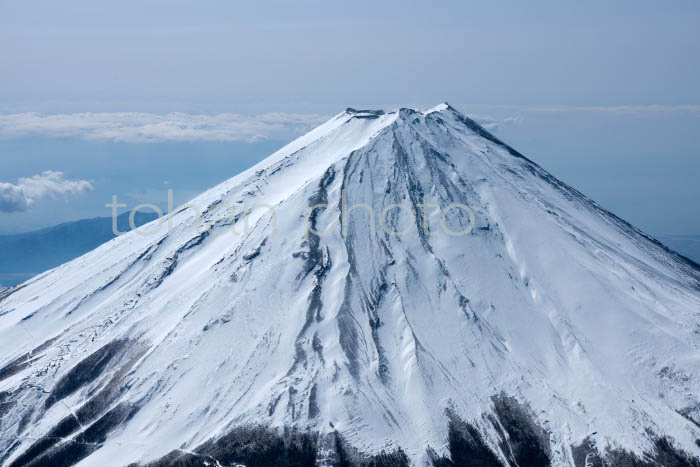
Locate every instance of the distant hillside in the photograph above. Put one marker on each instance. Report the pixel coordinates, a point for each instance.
(687, 245)
(22, 256)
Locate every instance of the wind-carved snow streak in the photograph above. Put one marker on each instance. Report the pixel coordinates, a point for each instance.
(553, 333)
(316, 264)
(317, 261)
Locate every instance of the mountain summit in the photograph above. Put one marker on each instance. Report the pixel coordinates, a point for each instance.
(390, 289)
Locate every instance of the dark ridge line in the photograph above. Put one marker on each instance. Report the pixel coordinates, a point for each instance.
(347, 321)
(317, 345)
(15, 366)
(314, 410)
(527, 443)
(523, 443)
(145, 254)
(413, 187)
(371, 303)
(11, 290)
(87, 413)
(347, 333)
(86, 371)
(314, 262)
(171, 262)
(466, 446)
(72, 451)
(24, 361)
(255, 253)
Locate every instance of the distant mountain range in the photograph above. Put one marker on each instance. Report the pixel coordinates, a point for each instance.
(22, 256)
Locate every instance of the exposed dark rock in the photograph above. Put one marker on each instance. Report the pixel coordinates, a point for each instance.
(26, 418)
(273, 405)
(109, 393)
(389, 459)
(85, 372)
(668, 456)
(586, 454)
(317, 345)
(262, 447)
(72, 451)
(467, 447)
(15, 366)
(9, 291)
(347, 456)
(316, 260)
(692, 414)
(664, 455)
(24, 361)
(92, 409)
(313, 402)
(63, 429)
(257, 446)
(371, 304)
(181, 459)
(364, 114)
(317, 201)
(255, 253)
(527, 444)
(5, 403)
(44, 346)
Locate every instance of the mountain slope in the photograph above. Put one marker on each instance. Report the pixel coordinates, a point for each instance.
(553, 333)
(25, 255)
(687, 245)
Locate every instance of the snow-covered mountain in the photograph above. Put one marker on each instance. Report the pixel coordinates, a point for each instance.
(552, 333)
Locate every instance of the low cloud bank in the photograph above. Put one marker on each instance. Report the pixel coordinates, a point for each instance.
(138, 127)
(491, 123)
(621, 109)
(135, 127)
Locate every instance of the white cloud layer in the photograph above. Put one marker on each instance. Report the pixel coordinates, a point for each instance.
(491, 123)
(46, 185)
(135, 127)
(622, 109)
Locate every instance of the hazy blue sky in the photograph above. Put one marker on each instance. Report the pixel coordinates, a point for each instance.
(301, 56)
(604, 94)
